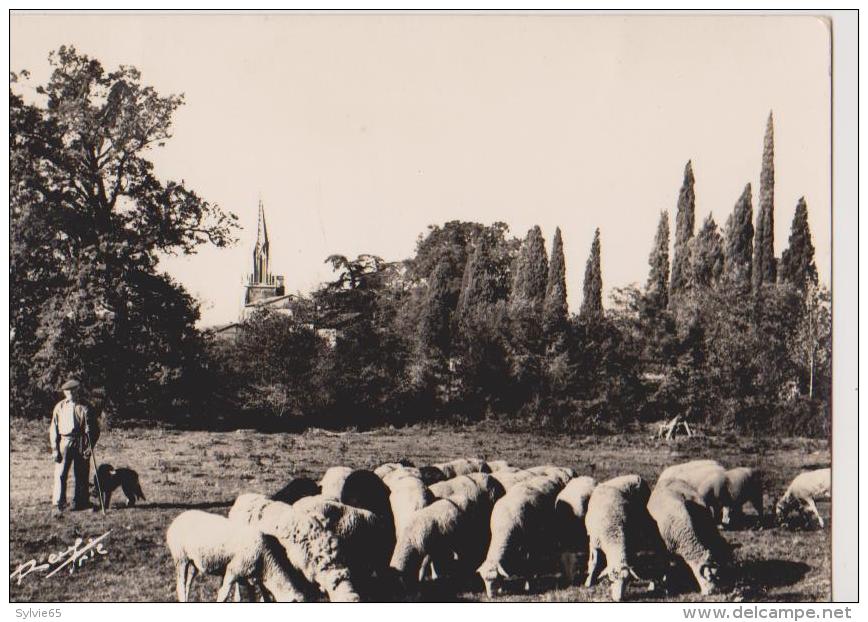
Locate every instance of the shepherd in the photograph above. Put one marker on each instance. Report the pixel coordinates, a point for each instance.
(73, 433)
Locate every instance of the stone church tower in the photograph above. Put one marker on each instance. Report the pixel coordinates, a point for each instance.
(261, 284)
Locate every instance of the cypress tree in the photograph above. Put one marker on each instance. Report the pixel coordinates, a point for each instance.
(737, 263)
(764, 268)
(684, 221)
(797, 261)
(555, 305)
(530, 277)
(479, 283)
(657, 288)
(706, 255)
(592, 301)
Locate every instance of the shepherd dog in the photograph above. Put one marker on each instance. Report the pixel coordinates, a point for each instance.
(107, 479)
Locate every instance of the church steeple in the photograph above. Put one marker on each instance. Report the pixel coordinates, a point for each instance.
(260, 250)
(261, 285)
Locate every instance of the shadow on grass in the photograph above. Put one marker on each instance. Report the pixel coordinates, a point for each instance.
(205, 505)
(757, 576)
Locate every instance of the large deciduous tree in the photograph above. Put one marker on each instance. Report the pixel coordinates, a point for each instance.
(89, 220)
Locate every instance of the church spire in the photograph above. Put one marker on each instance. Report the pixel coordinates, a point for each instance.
(260, 251)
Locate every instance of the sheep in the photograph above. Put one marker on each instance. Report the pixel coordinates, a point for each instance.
(336, 546)
(689, 532)
(394, 477)
(498, 465)
(632, 485)
(388, 467)
(248, 508)
(431, 475)
(363, 489)
(617, 523)
(463, 466)
(333, 481)
(707, 477)
(565, 474)
(571, 505)
(297, 488)
(520, 525)
(508, 479)
(213, 544)
(802, 491)
(406, 497)
(427, 540)
(743, 485)
(460, 483)
(493, 488)
(692, 472)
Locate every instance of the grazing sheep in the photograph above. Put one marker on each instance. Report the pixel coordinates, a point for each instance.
(407, 496)
(463, 466)
(333, 481)
(571, 505)
(508, 479)
(336, 546)
(212, 544)
(743, 485)
(395, 477)
(707, 477)
(248, 508)
(521, 525)
(461, 483)
(692, 472)
(431, 475)
(498, 465)
(689, 532)
(801, 493)
(428, 540)
(297, 488)
(388, 467)
(493, 488)
(564, 474)
(363, 489)
(617, 523)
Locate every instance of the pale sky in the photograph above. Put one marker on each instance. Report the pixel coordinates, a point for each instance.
(359, 131)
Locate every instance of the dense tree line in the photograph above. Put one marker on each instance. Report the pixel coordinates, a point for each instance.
(475, 324)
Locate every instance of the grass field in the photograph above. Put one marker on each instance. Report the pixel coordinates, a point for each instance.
(208, 470)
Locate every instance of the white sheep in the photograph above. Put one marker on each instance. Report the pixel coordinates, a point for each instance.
(571, 505)
(689, 532)
(332, 481)
(213, 544)
(521, 525)
(617, 524)
(564, 474)
(463, 466)
(743, 485)
(708, 478)
(806, 487)
(427, 541)
(248, 507)
(498, 465)
(336, 546)
(408, 495)
(508, 478)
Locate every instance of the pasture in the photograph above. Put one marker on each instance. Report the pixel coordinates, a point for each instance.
(207, 470)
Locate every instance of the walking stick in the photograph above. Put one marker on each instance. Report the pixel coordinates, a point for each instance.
(95, 477)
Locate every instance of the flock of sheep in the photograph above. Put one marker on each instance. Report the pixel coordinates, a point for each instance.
(359, 534)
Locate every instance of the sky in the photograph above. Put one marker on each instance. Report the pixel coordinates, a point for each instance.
(359, 131)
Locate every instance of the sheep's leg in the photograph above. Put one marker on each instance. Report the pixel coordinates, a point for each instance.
(181, 580)
(813, 508)
(593, 566)
(229, 580)
(188, 579)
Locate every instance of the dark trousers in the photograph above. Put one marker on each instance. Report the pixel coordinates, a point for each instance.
(73, 460)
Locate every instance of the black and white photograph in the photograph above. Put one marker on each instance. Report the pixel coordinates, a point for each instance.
(424, 307)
